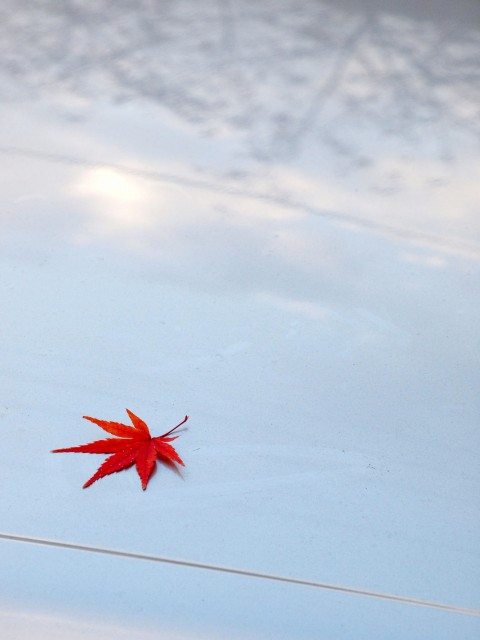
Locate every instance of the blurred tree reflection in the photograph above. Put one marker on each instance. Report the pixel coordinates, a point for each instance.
(277, 71)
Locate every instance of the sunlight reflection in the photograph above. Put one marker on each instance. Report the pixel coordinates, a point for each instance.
(118, 202)
(43, 625)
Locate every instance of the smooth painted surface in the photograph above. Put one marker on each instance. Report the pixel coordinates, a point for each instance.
(264, 215)
(107, 598)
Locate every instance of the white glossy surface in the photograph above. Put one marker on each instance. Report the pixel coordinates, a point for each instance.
(95, 596)
(266, 216)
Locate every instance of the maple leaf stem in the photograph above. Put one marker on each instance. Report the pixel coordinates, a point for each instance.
(178, 425)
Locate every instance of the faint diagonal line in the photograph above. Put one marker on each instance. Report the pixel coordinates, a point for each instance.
(240, 572)
(470, 248)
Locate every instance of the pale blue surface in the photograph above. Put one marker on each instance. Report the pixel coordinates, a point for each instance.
(146, 600)
(264, 215)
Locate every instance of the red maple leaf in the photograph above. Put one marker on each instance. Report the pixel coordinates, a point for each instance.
(134, 445)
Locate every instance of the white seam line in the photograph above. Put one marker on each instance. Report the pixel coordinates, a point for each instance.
(241, 572)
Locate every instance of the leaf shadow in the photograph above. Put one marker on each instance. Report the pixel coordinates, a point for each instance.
(171, 465)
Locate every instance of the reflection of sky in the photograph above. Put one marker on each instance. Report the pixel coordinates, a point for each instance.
(271, 223)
